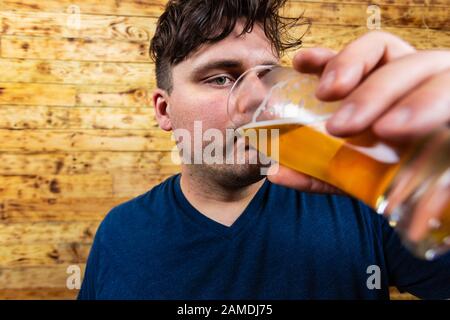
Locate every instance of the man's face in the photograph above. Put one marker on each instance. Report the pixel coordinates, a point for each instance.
(201, 85)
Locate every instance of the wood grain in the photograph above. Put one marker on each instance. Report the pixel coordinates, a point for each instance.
(47, 24)
(86, 208)
(86, 162)
(77, 72)
(85, 140)
(44, 293)
(336, 37)
(83, 49)
(46, 117)
(34, 278)
(34, 255)
(47, 232)
(356, 14)
(107, 7)
(38, 186)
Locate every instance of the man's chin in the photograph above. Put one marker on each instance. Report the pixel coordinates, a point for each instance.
(236, 175)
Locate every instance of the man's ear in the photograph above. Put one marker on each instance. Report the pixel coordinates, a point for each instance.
(161, 103)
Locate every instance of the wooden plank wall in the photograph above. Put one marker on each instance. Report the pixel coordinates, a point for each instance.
(77, 129)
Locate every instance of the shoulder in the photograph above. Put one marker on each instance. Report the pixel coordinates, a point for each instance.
(137, 213)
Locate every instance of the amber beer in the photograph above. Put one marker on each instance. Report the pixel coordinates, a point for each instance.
(351, 164)
(360, 165)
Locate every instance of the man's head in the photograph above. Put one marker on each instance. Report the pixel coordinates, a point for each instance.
(200, 48)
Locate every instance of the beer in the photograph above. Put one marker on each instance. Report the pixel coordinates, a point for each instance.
(359, 165)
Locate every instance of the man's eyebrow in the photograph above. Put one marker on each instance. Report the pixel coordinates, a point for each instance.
(223, 64)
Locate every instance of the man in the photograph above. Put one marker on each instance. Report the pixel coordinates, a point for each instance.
(221, 231)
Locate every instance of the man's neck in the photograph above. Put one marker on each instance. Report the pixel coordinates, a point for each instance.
(221, 204)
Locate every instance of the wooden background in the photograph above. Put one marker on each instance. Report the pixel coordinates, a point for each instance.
(77, 128)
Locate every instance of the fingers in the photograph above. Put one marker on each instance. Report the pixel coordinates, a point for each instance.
(312, 60)
(296, 180)
(344, 72)
(426, 219)
(384, 87)
(418, 113)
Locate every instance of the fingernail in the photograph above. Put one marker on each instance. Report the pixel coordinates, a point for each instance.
(343, 116)
(349, 75)
(398, 117)
(327, 81)
(434, 223)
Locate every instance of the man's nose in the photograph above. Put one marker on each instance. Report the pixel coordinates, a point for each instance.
(251, 93)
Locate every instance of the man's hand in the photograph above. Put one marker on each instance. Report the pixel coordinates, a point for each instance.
(384, 84)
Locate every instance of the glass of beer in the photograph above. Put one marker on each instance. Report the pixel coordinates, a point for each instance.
(409, 183)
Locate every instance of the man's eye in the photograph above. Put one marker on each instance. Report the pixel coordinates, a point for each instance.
(221, 81)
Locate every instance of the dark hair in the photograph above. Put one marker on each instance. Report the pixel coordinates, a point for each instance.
(187, 24)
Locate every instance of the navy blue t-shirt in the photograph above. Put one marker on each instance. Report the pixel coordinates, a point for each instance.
(286, 244)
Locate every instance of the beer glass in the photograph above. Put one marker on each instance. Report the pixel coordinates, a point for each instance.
(409, 183)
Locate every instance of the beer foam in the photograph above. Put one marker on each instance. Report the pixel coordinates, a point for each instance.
(380, 152)
(277, 122)
(286, 109)
(291, 113)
